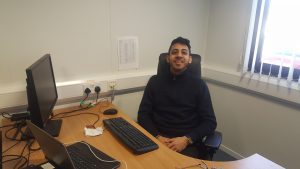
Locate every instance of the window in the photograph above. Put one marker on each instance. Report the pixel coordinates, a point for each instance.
(274, 45)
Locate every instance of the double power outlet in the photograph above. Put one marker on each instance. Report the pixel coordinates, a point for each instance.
(104, 86)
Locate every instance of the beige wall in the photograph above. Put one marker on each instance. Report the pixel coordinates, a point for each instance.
(266, 122)
(129, 103)
(252, 124)
(82, 38)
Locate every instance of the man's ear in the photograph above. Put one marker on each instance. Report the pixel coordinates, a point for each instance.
(190, 59)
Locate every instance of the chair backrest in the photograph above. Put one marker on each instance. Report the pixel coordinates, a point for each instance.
(194, 68)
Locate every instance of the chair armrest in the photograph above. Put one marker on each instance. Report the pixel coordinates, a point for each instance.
(213, 141)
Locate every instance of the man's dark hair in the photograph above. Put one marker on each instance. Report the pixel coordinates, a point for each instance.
(182, 41)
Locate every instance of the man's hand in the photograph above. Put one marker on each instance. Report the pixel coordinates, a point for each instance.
(163, 139)
(178, 143)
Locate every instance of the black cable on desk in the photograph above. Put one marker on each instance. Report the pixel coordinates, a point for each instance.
(7, 131)
(33, 149)
(29, 152)
(5, 113)
(18, 142)
(9, 116)
(9, 125)
(68, 112)
(83, 113)
(22, 157)
(11, 155)
(18, 126)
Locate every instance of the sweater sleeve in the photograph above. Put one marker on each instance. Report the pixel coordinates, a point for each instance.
(145, 113)
(207, 120)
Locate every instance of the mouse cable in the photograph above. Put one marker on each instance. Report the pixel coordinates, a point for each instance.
(68, 112)
(82, 113)
(107, 161)
(195, 165)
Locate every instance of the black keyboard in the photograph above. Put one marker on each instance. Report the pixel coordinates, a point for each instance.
(130, 136)
(83, 158)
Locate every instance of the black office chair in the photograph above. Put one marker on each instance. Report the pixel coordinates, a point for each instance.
(213, 141)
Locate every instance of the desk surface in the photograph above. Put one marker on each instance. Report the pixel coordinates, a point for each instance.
(162, 158)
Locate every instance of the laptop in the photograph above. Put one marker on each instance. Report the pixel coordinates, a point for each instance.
(75, 156)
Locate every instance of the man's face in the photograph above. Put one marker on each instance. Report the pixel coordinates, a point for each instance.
(179, 58)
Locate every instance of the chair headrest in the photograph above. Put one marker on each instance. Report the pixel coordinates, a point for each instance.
(194, 68)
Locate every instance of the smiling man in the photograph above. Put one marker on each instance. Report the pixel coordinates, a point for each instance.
(179, 58)
(176, 107)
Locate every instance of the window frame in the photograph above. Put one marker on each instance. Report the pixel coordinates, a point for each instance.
(253, 63)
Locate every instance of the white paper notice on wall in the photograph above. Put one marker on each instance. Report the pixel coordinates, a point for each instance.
(128, 53)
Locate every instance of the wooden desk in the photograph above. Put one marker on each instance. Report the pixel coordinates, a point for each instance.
(162, 158)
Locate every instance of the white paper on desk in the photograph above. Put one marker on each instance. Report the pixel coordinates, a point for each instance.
(93, 132)
(128, 53)
(47, 166)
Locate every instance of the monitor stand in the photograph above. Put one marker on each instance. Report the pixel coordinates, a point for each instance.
(52, 127)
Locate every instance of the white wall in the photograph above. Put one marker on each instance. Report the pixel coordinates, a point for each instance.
(250, 123)
(129, 103)
(82, 37)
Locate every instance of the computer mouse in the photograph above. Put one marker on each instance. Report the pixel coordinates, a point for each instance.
(110, 111)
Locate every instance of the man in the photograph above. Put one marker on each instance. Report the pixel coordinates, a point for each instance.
(176, 107)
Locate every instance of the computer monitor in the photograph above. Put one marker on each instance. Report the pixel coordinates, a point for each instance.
(42, 95)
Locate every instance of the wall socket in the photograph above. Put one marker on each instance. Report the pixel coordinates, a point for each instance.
(88, 85)
(91, 85)
(105, 86)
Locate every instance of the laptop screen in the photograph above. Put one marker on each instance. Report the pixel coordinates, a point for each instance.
(54, 150)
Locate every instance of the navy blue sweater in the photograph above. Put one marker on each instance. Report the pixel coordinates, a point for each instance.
(176, 106)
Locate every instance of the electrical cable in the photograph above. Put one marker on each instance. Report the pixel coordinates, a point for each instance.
(97, 90)
(72, 111)
(195, 165)
(17, 157)
(18, 142)
(29, 152)
(87, 91)
(3, 113)
(21, 156)
(17, 125)
(9, 125)
(20, 159)
(107, 161)
(34, 149)
(82, 113)
(7, 131)
(97, 97)
(112, 95)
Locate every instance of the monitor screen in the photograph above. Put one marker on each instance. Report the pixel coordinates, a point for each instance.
(42, 94)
